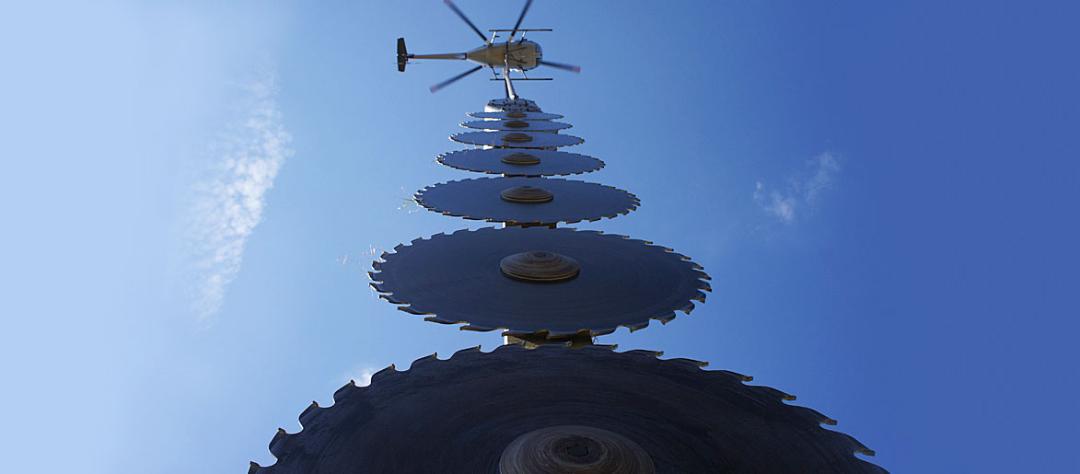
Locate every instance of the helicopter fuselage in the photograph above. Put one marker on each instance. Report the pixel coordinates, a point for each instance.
(521, 55)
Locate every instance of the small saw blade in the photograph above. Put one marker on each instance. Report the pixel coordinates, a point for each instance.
(482, 199)
(460, 278)
(499, 161)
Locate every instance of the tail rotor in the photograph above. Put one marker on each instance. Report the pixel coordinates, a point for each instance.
(402, 55)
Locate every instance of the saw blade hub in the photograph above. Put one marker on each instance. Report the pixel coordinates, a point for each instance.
(526, 195)
(520, 159)
(517, 137)
(574, 449)
(539, 266)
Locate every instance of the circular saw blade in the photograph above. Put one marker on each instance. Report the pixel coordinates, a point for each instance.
(461, 414)
(456, 279)
(500, 139)
(517, 125)
(516, 116)
(480, 199)
(511, 105)
(552, 162)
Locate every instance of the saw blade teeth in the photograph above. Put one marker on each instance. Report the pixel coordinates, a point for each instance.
(740, 377)
(637, 326)
(645, 353)
(474, 327)
(666, 318)
(279, 443)
(467, 351)
(254, 467)
(687, 308)
(702, 275)
(411, 310)
(774, 393)
(699, 364)
(390, 298)
(388, 371)
(309, 413)
(601, 332)
(817, 416)
(700, 297)
(704, 285)
(423, 361)
(345, 390)
(436, 319)
(856, 445)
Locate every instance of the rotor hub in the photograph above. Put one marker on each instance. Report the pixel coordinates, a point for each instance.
(526, 195)
(539, 266)
(574, 449)
(517, 124)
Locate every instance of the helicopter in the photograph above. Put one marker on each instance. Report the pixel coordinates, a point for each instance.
(521, 55)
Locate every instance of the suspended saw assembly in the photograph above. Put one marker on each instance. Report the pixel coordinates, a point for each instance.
(550, 400)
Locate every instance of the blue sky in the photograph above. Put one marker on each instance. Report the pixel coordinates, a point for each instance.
(883, 193)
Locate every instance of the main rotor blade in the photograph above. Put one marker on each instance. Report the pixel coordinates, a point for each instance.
(435, 88)
(521, 17)
(565, 67)
(461, 15)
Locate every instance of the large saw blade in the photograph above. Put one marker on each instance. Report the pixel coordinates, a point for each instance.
(515, 115)
(461, 278)
(516, 125)
(471, 412)
(517, 139)
(483, 199)
(522, 163)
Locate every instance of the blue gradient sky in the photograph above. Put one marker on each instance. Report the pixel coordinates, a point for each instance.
(884, 195)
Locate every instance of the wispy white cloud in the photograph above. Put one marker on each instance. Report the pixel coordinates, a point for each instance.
(362, 376)
(802, 192)
(228, 202)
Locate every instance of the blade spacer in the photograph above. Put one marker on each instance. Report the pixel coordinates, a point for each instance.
(539, 266)
(517, 124)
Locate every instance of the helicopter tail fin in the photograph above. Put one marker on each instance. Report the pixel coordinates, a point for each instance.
(402, 55)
